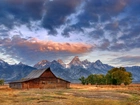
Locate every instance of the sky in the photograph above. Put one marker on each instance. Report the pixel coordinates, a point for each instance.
(35, 30)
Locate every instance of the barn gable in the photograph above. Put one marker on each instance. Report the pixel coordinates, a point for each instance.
(38, 73)
(43, 78)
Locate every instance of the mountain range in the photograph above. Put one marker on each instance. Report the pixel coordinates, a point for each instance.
(71, 71)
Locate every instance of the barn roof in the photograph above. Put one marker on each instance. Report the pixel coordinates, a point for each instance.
(35, 74)
(22, 80)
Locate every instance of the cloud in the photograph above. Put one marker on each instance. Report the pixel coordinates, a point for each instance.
(96, 34)
(16, 12)
(54, 13)
(128, 60)
(104, 44)
(112, 26)
(33, 50)
(4, 32)
(97, 20)
(57, 12)
(96, 10)
(51, 13)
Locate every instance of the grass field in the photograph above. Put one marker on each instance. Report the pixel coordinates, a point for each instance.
(76, 95)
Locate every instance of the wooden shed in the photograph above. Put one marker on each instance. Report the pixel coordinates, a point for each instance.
(43, 78)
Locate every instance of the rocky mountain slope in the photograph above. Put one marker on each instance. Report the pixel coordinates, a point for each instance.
(76, 68)
(71, 71)
(14, 72)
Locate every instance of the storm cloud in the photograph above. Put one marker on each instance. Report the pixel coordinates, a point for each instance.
(51, 13)
(106, 25)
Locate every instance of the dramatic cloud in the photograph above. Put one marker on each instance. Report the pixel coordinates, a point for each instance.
(97, 34)
(99, 10)
(34, 50)
(57, 12)
(51, 13)
(111, 25)
(16, 12)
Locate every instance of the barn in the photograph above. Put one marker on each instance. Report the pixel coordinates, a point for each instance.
(43, 78)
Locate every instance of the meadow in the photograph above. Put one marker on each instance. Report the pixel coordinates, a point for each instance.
(77, 94)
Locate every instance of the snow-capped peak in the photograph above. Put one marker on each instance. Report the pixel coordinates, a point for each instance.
(75, 61)
(20, 63)
(3, 63)
(98, 62)
(60, 61)
(86, 61)
(42, 64)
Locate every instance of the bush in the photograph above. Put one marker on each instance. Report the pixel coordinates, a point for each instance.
(1, 82)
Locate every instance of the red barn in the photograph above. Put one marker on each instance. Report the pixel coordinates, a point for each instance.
(43, 78)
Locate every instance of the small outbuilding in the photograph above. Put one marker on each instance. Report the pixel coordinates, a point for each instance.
(43, 78)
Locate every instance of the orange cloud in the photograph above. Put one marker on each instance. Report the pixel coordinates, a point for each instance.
(46, 46)
(59, 47)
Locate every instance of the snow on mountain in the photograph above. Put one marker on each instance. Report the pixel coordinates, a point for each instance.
(76, 68)
(3, 63)
(76, 62)
(99, 65)
(14, 72)
(42, 64)
(61, 62)
(71, 72)
(86, 63)
(59, 70)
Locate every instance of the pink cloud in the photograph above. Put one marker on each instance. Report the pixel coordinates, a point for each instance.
(46, 46)
(30, 51)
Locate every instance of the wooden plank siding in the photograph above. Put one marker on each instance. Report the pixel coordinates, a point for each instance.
(46, 80)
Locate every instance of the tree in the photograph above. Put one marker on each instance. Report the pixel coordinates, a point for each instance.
(101, 79)
(91, 79)
(97, 79)
(1, 82)
(83, 80)
(116, 76)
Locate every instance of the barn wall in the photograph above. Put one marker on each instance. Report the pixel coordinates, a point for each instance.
(25, 85)
(46, 83)
(15, 85)
(53, 83)
(48, 74)
(41, 83)
(46, 80)
(31, 84)
(63, 84)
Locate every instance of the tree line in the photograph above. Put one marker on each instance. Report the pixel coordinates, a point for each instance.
(115, 76)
